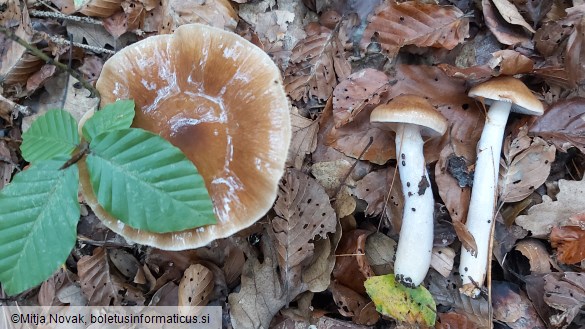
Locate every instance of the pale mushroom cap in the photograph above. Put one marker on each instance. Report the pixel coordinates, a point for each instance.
(219, 99)
(508, 89)
(413, 110)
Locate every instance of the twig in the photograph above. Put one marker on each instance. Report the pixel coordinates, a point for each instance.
(37, 52)
(63, 42)
(57, 15)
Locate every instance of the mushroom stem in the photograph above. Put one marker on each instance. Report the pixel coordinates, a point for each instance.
(480, 217)
(413, 256)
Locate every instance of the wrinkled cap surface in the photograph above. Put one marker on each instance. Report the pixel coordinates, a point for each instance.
(411, 109)
(220, 100)
(508, 89)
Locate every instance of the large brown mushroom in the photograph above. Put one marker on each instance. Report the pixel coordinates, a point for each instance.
(220, 100)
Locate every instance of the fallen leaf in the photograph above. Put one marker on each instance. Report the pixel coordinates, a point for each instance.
(380, 250)
(453, 320)
(395, 25)
(537, 255)
(351, 266)
(97, 283)
(541, 218)
(382, 190)
(196, 286)
(98, 8)
(511, 15)
(563, 124)
(317, 64)
(351, 304)
(125, 262)
(304, 139)
(564, 292)
(401, 303)
(505, 32)
(512, 307)
(304, 215)
(569, 240)
(510, 62)
(217, 13)
(167, 295)
(361, 89)
(526, 166)
(442, 260)
(7, 164)
(334, 177)
(536, 10)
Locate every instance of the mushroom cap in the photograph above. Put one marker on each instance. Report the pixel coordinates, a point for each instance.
(414, 110)
(219, 99)
(508, 89)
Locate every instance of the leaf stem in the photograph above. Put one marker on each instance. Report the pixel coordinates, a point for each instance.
(81, 150)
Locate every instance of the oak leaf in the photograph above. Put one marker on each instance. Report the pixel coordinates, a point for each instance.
(570, 240)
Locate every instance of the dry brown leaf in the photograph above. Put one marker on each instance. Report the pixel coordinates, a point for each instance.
(125, 262)
(317, 64)
(218, 13)
(512, 307)
(196, 286)
(382, 190)
(510, 62)
(574, 58)
(98, 282)
(563, 124)
(564, 292)
(453, 320)
(569, 241)
(317, 275)
(362, 88)
(526, 166)
(116, 24)
(99, 8)
(304, 216)
(48, 292)
(7, 163)
(537, 255)
(354, 305)
(167, 295)
(541, 218)
(380, 251)
(442, 260)
(506, 33)
(511, 14)
(352, 267)
(413, 23)
(304, 139)
(232, 267)
(333, 176)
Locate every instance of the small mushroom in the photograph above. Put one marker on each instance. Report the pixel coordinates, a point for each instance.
(503, 95)
(412, 117)
(219, 99)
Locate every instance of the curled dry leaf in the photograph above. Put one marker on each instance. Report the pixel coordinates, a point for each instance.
(537, 255)
(317, 64)
(454, 320)
(196, 286)
(510, 62)
(569, 240)
(304, 139)
(541, 218)
(511, 14)
(513, 307)
(563, 124)
(442, 260)
(526, 166)
(217, 13)
(361, 89)
(304, 215)
(505, 32)
(394, 25)
(382, 191)
(98, 8)
(352, 267)
(380, 251)
(354, 305)
(334, 177)
(125, 262)
(564, 292)
(8, 163)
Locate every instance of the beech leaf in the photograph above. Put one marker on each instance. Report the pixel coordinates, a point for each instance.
(415, 23)
(51, 134)
(196, 286)
(563, 124)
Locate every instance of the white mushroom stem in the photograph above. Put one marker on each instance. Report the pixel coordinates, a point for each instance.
(480, 217)
(413, 255)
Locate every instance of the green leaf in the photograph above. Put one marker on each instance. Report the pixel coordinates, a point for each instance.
(52, 134)
(401, 303)
(147, 183)
(39, 212)
(114, 116)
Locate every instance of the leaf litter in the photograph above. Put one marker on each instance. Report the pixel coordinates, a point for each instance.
(339, 60)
